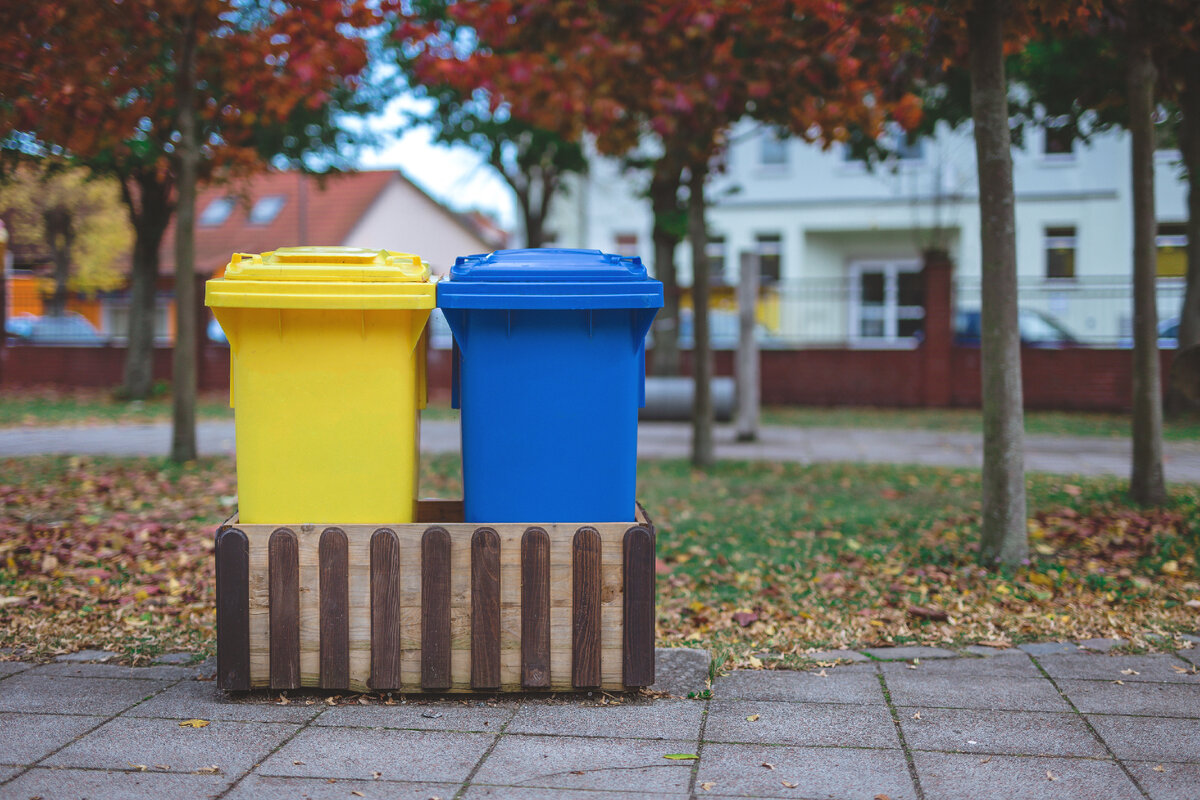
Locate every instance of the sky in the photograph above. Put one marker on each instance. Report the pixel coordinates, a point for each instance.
(456, 176)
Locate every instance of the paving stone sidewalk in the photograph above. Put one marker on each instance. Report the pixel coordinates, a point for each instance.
(1043, 722)
(1065, 455)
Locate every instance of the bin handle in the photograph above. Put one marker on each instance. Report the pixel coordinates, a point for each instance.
(455, 375)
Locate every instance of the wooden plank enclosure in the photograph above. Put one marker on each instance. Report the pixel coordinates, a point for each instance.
(438, 605)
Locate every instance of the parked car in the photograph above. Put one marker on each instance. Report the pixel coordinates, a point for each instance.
(1168, 336)
(1037, 328)
(68, 328)
(723, 327)
(215, 332)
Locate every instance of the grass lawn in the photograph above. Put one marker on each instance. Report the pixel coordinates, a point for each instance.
(969, 420)
(50, 407)
(761, 562)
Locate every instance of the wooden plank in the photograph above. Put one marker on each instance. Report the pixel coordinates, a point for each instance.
(535, 609)
(385, 610)
(334, 564)
(283, 564)
(560, 537)
(485, 609)
(585, 609)
(639, 607)
(233, 610)
(435, 609)
(439, 511)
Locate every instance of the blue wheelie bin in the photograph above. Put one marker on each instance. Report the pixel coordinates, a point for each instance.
(549, 374)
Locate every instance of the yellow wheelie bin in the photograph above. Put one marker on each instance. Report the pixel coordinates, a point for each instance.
(327, 378)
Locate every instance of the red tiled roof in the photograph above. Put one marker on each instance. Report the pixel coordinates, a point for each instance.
(331, 207)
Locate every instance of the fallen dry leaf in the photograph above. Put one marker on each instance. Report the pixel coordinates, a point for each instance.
(1119, 682)
(681, 756)
(357, 793)
(707, 786)
(925, 612)
(1159, 768)
(753, 718)
(768, 766)
(789, 784)
(882, 796)
(745, 618)
(1050, 776)
(376, 775)
(1130, 672)
(298, 763)
(139, 767)
(209, 770)
(986, 760)
(917, 715)
(194, 723)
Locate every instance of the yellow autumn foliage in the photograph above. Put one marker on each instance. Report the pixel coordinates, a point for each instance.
(103, 234)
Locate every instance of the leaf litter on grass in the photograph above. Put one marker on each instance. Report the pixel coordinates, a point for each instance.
(760, 562)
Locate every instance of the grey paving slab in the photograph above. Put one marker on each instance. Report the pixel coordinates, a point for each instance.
(87, 655)
(1151, 667)
(1101, 645)
(233, 747)
(203, 700)
(395, 755)
(54, 695)
(12, 668)
(263, 787)
(837, 655)
(444, 716)
(679, 670)
(60, 784)
(8, 772)
(664, 719)
(1049, 648)
(1011, 665)
(577, 763)
(1167, 781)
(801, 724)
(1008, 732)
(854, 683)
(1149, 738)
(1192, 655)
(69, 669)
(988, 652)
(949, 776)
(1134, 697)
(26, 738)
(476, 792)
(908, 653)
(176, 658)
(915, 688)
(824, 772)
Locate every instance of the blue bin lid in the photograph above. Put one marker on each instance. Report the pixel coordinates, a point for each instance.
(549, 278)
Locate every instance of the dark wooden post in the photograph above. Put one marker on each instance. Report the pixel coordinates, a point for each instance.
(936, 373)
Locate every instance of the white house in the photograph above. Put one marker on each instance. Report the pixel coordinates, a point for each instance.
(840, 244)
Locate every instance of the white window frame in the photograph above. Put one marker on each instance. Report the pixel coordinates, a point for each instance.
(892, 312)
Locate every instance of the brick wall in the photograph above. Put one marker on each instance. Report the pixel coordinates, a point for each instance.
(1080, 379)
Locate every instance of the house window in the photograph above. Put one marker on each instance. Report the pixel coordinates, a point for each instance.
(910, 147)
(1058, 140)
(627, 244)
(1060, 252)
(887, 301)
(266, 209)
(769, 247)
(115, 316)
(1172, 250)
(216, 212)
(772, 150)
(715, 250)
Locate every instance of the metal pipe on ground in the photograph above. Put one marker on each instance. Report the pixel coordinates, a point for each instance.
(669, 399)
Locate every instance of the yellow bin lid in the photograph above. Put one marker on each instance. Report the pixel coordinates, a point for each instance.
(323, 277)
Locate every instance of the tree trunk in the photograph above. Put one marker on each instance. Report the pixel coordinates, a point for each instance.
(150, 213)
(1004, 536)
(702, 361)
(1189, 145)
(60, 237)
(664, 201)
(1146, 477)
(183, 383)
